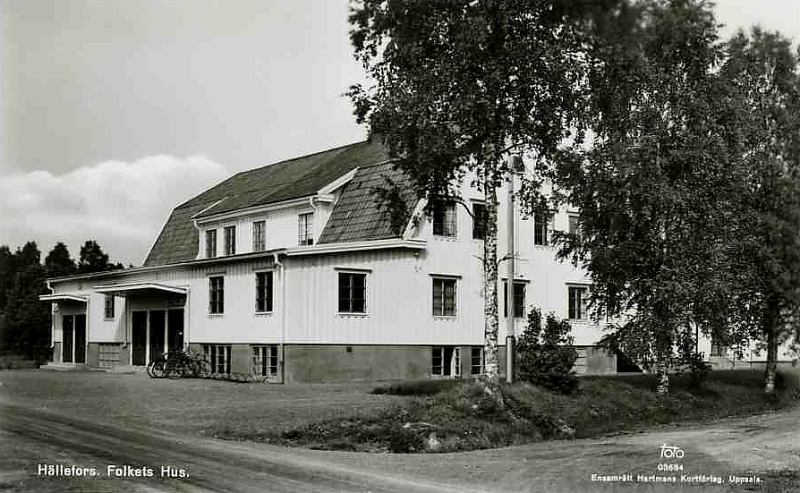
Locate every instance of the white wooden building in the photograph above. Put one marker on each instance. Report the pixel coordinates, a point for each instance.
(293, 273)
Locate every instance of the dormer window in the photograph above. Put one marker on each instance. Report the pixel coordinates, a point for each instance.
(211, 243)
(305, 229)
(259, 236)
(230, 240)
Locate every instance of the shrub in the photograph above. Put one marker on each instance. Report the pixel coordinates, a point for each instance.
(545, 354)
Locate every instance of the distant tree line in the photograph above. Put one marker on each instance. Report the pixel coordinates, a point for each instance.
(24, 320)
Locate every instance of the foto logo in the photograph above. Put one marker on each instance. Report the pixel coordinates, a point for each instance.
(671, 452)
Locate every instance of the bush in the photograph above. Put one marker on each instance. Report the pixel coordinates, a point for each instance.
(545, 354)
(416, 387)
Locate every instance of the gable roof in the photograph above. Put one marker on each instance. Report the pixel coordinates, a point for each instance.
(291, 179)
(357, 216)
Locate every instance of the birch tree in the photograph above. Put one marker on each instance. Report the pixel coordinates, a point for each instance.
(652, 185)
(458, 86)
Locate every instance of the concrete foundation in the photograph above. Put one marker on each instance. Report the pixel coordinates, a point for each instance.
(323, 363)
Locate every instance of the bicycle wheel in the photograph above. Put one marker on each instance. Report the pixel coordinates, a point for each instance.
(174, 369)
(157, 369)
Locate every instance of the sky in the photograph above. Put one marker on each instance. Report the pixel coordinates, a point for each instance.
(114, 112)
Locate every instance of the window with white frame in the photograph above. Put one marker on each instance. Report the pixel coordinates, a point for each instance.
(352, 292)
(446, 361)
(540, 228)
(444, 297)
(476, 361)
(265, 361)
(577, 302)
(219, 356)
(259, 236)
(305, 229)
(519, 299)
(216, 295)
(574, 225)
(230, 240)
(109, 306)
(478, 221)
(211, 243)
(264, 291)
(444, 219)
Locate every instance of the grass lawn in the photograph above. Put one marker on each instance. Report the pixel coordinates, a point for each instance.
(205, 407)
(461, 417)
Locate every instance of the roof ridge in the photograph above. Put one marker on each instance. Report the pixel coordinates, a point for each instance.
(304, 156)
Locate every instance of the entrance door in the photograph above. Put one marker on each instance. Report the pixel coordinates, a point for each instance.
(175, 330)
(68, 331)
(157, 321)
(80, 338)
(139, 338)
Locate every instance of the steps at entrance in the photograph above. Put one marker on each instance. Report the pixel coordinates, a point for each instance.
(65, 366)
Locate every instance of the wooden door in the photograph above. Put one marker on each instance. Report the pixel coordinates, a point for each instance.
(157, 327)
(139, 338)
(68, 332)
(175, 330)
(80, 338)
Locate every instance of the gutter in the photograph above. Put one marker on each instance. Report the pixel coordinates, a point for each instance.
(282, 269)
(189, 263)
(412, 244)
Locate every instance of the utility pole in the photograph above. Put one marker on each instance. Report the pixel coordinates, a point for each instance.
(515, 163)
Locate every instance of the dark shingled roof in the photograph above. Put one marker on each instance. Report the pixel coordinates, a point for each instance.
(285, 180)
(358, 216)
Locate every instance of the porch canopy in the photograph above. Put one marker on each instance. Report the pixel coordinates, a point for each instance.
(123, 289)
(63, 297)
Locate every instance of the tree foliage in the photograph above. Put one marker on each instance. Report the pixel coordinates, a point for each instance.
(545, 355)
(652, 184)
(94, 259)
(762, 82)
(460, 85)
(59, 262)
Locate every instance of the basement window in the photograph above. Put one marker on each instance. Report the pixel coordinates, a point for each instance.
(265, 361)
(446, 361)
(220, 358)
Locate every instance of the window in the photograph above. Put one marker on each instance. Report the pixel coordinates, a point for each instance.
(519, 299)
(478, 221)
(577, 302)
(352, 293)
(109, 311)
(230, 240)
(211, 243)
(476, 363)
(259, 237)
(265, 361)
(264, 291)
(574, 228)
(444, 297)
(219, 357)
(444, 219)
(539, 229)
(305, 229)
(446, 361)
(216, 294)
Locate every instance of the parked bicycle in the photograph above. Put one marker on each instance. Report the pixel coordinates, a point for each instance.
(179, 364)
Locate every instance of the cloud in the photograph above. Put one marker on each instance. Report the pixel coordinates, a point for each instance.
(119, 204)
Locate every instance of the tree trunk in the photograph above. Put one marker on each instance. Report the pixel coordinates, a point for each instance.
(491, 322)
(771, 318)
(662, 372)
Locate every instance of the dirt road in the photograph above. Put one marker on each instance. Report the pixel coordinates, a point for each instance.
(32, 438)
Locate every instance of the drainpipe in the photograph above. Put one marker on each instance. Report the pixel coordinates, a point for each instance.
(514, 162)
(52, 318)
(282, 270)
